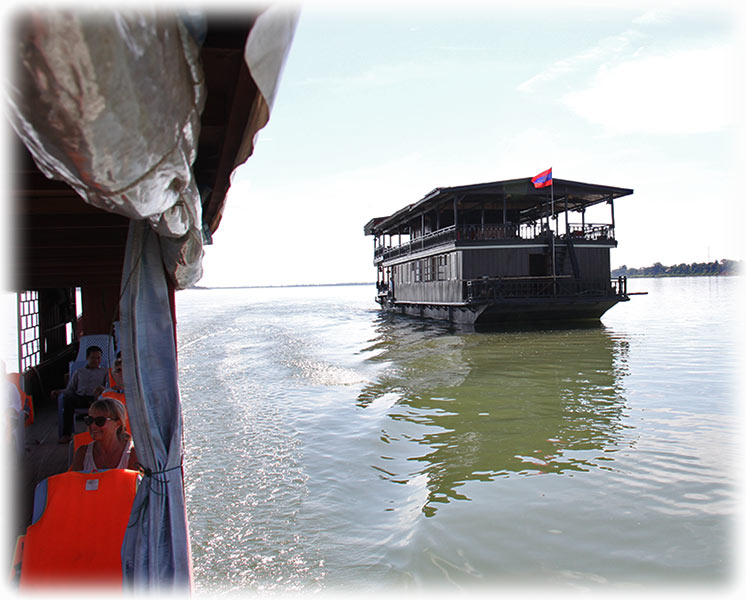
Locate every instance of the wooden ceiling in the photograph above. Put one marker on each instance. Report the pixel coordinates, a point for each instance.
(61, 241)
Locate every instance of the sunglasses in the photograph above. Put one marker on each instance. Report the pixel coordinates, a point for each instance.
(99, 421)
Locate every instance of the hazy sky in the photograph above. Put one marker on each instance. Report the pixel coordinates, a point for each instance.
(379, 105)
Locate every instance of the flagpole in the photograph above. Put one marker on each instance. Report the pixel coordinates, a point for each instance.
(554, 266)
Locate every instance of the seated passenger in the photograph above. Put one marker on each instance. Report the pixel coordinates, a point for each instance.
(112, 446)
(116, 385)
(81, 389)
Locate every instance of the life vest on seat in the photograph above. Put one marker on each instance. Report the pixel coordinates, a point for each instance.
(78, 539)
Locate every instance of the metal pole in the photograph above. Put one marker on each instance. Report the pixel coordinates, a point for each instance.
(554, 266)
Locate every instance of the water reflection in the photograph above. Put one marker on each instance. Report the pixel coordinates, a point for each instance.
(471, 406)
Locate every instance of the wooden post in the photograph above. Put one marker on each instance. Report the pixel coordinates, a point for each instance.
(505, 212)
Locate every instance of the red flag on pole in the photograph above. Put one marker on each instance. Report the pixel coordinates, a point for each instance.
(543, 179)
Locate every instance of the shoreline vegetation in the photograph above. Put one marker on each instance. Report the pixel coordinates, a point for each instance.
(710, 269)
(723, 267)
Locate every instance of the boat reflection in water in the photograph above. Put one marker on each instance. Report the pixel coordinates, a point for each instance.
(476, 406)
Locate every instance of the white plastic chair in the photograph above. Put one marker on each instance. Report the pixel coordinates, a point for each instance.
(103, 341)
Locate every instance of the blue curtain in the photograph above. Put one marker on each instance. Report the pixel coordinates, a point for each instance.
(155, 553)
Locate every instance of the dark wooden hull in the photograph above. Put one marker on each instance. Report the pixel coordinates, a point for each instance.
(510, 310)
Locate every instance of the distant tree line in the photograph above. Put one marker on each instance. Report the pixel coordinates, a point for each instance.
(722, 267)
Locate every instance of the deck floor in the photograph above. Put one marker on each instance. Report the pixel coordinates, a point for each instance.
(43, 457)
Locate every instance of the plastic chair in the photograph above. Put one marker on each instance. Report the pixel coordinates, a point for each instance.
(27, 401)
(103, 341)
(61, 550)
(72, 367)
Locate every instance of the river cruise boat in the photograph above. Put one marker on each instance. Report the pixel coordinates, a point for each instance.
(500, 252)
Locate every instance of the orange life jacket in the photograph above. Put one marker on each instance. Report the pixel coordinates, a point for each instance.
(109, 393)
(78, 539)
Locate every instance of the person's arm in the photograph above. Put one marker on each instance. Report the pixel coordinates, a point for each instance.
(133, 464)
(78, 459)
(72, 385)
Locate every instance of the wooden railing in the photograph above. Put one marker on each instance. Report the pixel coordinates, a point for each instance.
(480, 233)
(591, 231)
(485, 289)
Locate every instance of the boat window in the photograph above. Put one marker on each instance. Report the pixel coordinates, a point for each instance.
(443, 267)
(29, 349)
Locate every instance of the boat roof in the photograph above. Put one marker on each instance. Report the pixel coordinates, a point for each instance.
(514, 194)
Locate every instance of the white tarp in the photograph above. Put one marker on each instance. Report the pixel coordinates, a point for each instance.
(111, 105)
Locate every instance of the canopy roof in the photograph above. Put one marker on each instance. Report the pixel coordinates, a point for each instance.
(514, 194)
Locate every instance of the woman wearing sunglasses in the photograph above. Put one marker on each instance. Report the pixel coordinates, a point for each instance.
(112, 446)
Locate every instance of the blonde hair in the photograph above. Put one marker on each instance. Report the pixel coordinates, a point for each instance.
(115, 409)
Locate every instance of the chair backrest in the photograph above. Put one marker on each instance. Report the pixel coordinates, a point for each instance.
(103, 341)
(74, 365)
(27, 401)
(77, 539)
(81, 439)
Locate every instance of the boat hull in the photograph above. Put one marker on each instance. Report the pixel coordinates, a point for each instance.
(509, 310)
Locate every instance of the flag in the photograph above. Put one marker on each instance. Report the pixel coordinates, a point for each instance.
(543, 179)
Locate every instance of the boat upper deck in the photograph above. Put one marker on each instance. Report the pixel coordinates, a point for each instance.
(501, 213)
(513, 201)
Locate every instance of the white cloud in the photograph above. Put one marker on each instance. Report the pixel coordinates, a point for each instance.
(309, 230)
(605, 50)
(652, 17)
(691, 91)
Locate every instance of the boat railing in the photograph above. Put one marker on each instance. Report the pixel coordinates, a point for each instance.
(619, 286)
(458, 233)
(382, 289)
(481, 233)
(591, 231)
(509, 231)
(493, 288)
(434, 238)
